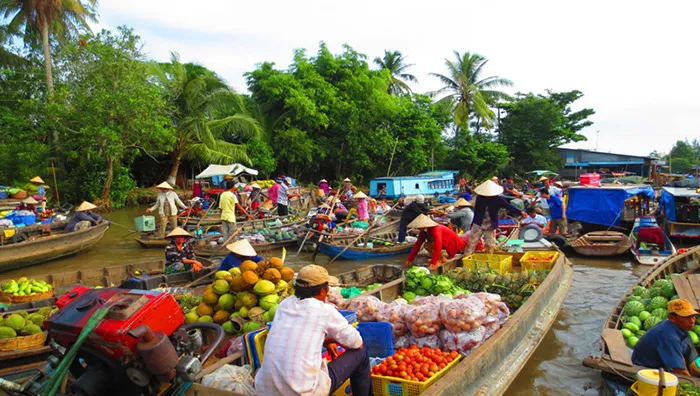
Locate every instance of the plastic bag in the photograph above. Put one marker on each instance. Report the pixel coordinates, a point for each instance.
(403, 341)
(350, 292)
(492, 306)
(431, 341)
(366, 307)
(463, 314)
(427, 300)
(237, 379)
(393, 313)
(335, 297)
(423, 320)
(463, 341)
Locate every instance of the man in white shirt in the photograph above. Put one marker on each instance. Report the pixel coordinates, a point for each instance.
(167, 204)
(303, 324)
(556, 191)
(534, 218)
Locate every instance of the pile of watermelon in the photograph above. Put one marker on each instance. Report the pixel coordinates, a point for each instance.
(646, 308)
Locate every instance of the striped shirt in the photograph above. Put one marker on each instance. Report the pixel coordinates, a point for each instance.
(293, 363)
(282, 198)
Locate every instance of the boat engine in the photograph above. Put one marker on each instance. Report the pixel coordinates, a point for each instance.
(141, 343)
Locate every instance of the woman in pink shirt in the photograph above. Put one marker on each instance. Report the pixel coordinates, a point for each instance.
(362, 211)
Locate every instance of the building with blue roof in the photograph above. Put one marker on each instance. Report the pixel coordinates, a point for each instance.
(427, 183)
(578, 161)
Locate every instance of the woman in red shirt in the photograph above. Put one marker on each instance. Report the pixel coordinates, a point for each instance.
(439, 236)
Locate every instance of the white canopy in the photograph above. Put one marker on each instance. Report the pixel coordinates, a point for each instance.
(223, 170)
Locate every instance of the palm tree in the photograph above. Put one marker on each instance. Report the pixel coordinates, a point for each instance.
(394, 62)
(205, 109)
(63, 18)
(469, 93)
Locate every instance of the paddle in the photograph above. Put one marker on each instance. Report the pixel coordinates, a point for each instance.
(229, 239)
(205, 215)
(361, 235)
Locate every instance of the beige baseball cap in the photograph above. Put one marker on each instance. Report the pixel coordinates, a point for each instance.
(314, 275)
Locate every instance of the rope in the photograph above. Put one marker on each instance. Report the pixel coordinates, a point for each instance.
(617, 372)
(62, 370)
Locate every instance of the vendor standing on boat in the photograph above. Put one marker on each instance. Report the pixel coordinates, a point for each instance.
(416, 208)
(228, 202)
(179, 254)
(241, 251)
(167, 204)
(557, 209)
(362, 206)
(283, 197)
(29, 204)
(463, 215)
(556, 191)
(488, 203)
(323, 185)
(668, 344)
(84, 214)
(436, 238)
(255, 196)
(304, 323)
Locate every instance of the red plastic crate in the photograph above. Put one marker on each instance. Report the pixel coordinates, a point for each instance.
(589, 179)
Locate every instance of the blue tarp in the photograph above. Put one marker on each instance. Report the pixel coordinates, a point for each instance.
(669, 205)
(602, 205)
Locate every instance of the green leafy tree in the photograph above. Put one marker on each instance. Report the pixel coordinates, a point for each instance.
(536, 125)
(37, 20)
(682, 157)
(262, 157)
(205, 109)
(395, 63)
(468, 92)
(479, 154)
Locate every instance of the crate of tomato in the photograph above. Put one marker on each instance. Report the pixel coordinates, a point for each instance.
(538, 260)
(410, 371)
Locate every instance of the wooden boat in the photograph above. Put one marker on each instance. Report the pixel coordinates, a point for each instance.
(208, 220)
(383, 247)
(152, 240)
(601, 243)
(644, 251)
(615, 359)
(207, 250)
(24, 233)
(45, 248)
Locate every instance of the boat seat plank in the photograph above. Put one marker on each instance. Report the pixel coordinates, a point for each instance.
(694, 281)
(616, 346)
(684, 290)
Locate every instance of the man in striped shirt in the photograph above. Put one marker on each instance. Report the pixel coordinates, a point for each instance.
(304, 324)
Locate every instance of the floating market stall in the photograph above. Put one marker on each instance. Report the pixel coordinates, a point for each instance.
(608, 205)
(681, 209)
(642, 308)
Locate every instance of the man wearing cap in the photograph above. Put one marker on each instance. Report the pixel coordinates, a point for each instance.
(179, 254)
(167, 204)
(228, 202)
(668, 344)
(241, 251)
(84, 213)
(486, 208)
(416, 208)
(438, 237)
(462, 217)
(303, 324)
(557, 210)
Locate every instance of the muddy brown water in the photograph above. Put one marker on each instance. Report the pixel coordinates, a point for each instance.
(554, 369)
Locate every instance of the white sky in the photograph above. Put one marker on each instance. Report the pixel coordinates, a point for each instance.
(636, 62)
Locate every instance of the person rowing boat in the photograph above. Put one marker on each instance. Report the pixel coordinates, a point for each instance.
(179, 254)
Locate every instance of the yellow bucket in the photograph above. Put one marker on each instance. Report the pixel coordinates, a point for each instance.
(647, 383)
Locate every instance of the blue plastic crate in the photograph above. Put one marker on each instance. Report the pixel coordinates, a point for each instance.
(27, 220)
(4, 194)
(349, 315)
(377, 338)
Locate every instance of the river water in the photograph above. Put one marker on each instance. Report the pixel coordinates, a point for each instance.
(554, 369)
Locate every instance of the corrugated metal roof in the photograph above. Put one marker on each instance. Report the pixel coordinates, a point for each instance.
(682, 192)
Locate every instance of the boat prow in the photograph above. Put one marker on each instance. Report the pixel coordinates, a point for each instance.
(649, 243)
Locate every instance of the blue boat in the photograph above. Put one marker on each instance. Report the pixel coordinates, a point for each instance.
(681, 215)
(428, 183)
(381, 247)
(606, 206)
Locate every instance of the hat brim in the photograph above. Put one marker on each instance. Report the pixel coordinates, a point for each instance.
(488, 189)
(85, 206)
(165, 186)
(179, 232)
(422, 221)
(242, 248)
(687, 312)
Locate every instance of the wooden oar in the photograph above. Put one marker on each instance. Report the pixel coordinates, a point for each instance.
(361, 235)
(229, 239)
(205, 215)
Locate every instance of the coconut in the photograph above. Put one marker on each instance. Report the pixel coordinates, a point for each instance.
(264, 287)
(262, 267)
(210, 298)
(287, 274)
(249, 299)
(248, 265)
(235, 271)
(225, 275)
(250, 278)
(272, 275)
(226, 302)
(256, 314)
(221, 287)
(237, 283)
(276, 263)
(221, 316)
(204, 310)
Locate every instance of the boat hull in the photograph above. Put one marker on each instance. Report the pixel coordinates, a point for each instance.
(49, 248)
(650, 258)
(359, 254)
(219, 250)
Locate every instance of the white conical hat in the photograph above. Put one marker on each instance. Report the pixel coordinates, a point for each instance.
(85, 206)
(360, 195)
(462, 202)
(488, 189)
(422, 221)
(543, 178)
(165, 186)
(346, 179)
(30, 201)
(37, 180)
(178, 231)
(242, 248)
(255, 185)
(323, 181)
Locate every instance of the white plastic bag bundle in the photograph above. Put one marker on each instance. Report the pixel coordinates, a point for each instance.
(464, 341)
(366, 307)
(237, 379)
(431, 341)
(463, 314)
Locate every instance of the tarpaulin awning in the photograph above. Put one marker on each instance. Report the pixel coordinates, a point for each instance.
(602, 205)
(668, 201)
(223, 170)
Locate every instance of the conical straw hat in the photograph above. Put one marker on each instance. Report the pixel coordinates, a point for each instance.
(30, 201)
(543, 178)
(37, 180)
(462, 202)
(422, 221)
(178, 231)
(255, 185)
(360, 195)
(165, 186)
(323, 181)
(242, 248)
(488, 189)
(85, 206)
(346, 179)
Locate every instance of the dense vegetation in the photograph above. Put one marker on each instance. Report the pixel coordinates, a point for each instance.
(108, 119)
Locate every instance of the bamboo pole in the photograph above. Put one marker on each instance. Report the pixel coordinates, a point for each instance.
(55, 184)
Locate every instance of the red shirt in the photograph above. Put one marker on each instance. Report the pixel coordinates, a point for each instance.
(273, 192)
(442, 238)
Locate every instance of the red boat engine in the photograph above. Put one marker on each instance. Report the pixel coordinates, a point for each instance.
(140, 344)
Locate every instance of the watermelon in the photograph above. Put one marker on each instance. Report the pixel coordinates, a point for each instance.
(694, 337)
(626, 333)
(631, 327)
(696, 329)
(654, 292)
(667, 290)
(633, 308)
(638, 290)
(651, 322)
(640, 333)
(658, 302)
(636, 320)
(634, 298)
(632, 341)
(660, 313)
(644, 315)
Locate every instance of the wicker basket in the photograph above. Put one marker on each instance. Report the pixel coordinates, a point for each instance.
(23, 343)
(12, 299)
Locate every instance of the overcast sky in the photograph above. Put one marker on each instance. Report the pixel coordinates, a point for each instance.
(636, 62)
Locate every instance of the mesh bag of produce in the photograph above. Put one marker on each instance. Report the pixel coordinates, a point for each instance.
(403, 341)
(334, 297)
(366, 307)
(492, 305)
(423, 320)
(463, 341)
(464, 314)
(393, 313)
(431, 341)
(430, 300)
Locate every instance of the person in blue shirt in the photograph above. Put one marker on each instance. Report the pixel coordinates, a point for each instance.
(84, 214)
(557, 210)
(668, 344)
(241, 251)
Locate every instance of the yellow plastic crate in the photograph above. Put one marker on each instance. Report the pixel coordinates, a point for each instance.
(392, 386)
(533, 260)
(502, 263)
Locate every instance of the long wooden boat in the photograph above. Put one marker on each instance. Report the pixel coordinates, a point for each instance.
(615, 359)
(601, 243)
(653, 254)
(358, 253)
(46, 248)
(27, 232)
(207, 250)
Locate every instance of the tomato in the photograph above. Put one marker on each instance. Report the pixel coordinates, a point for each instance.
(441, 366)
(389, 360)
(439, 360)
(454, 354)
(414, 379)
(394, 367)
(407, 360)
(399, 357)
(449, 359)
(431, 373)
(424, 370)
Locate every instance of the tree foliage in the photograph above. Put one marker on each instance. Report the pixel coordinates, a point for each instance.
(395, 64)
(683, 156)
